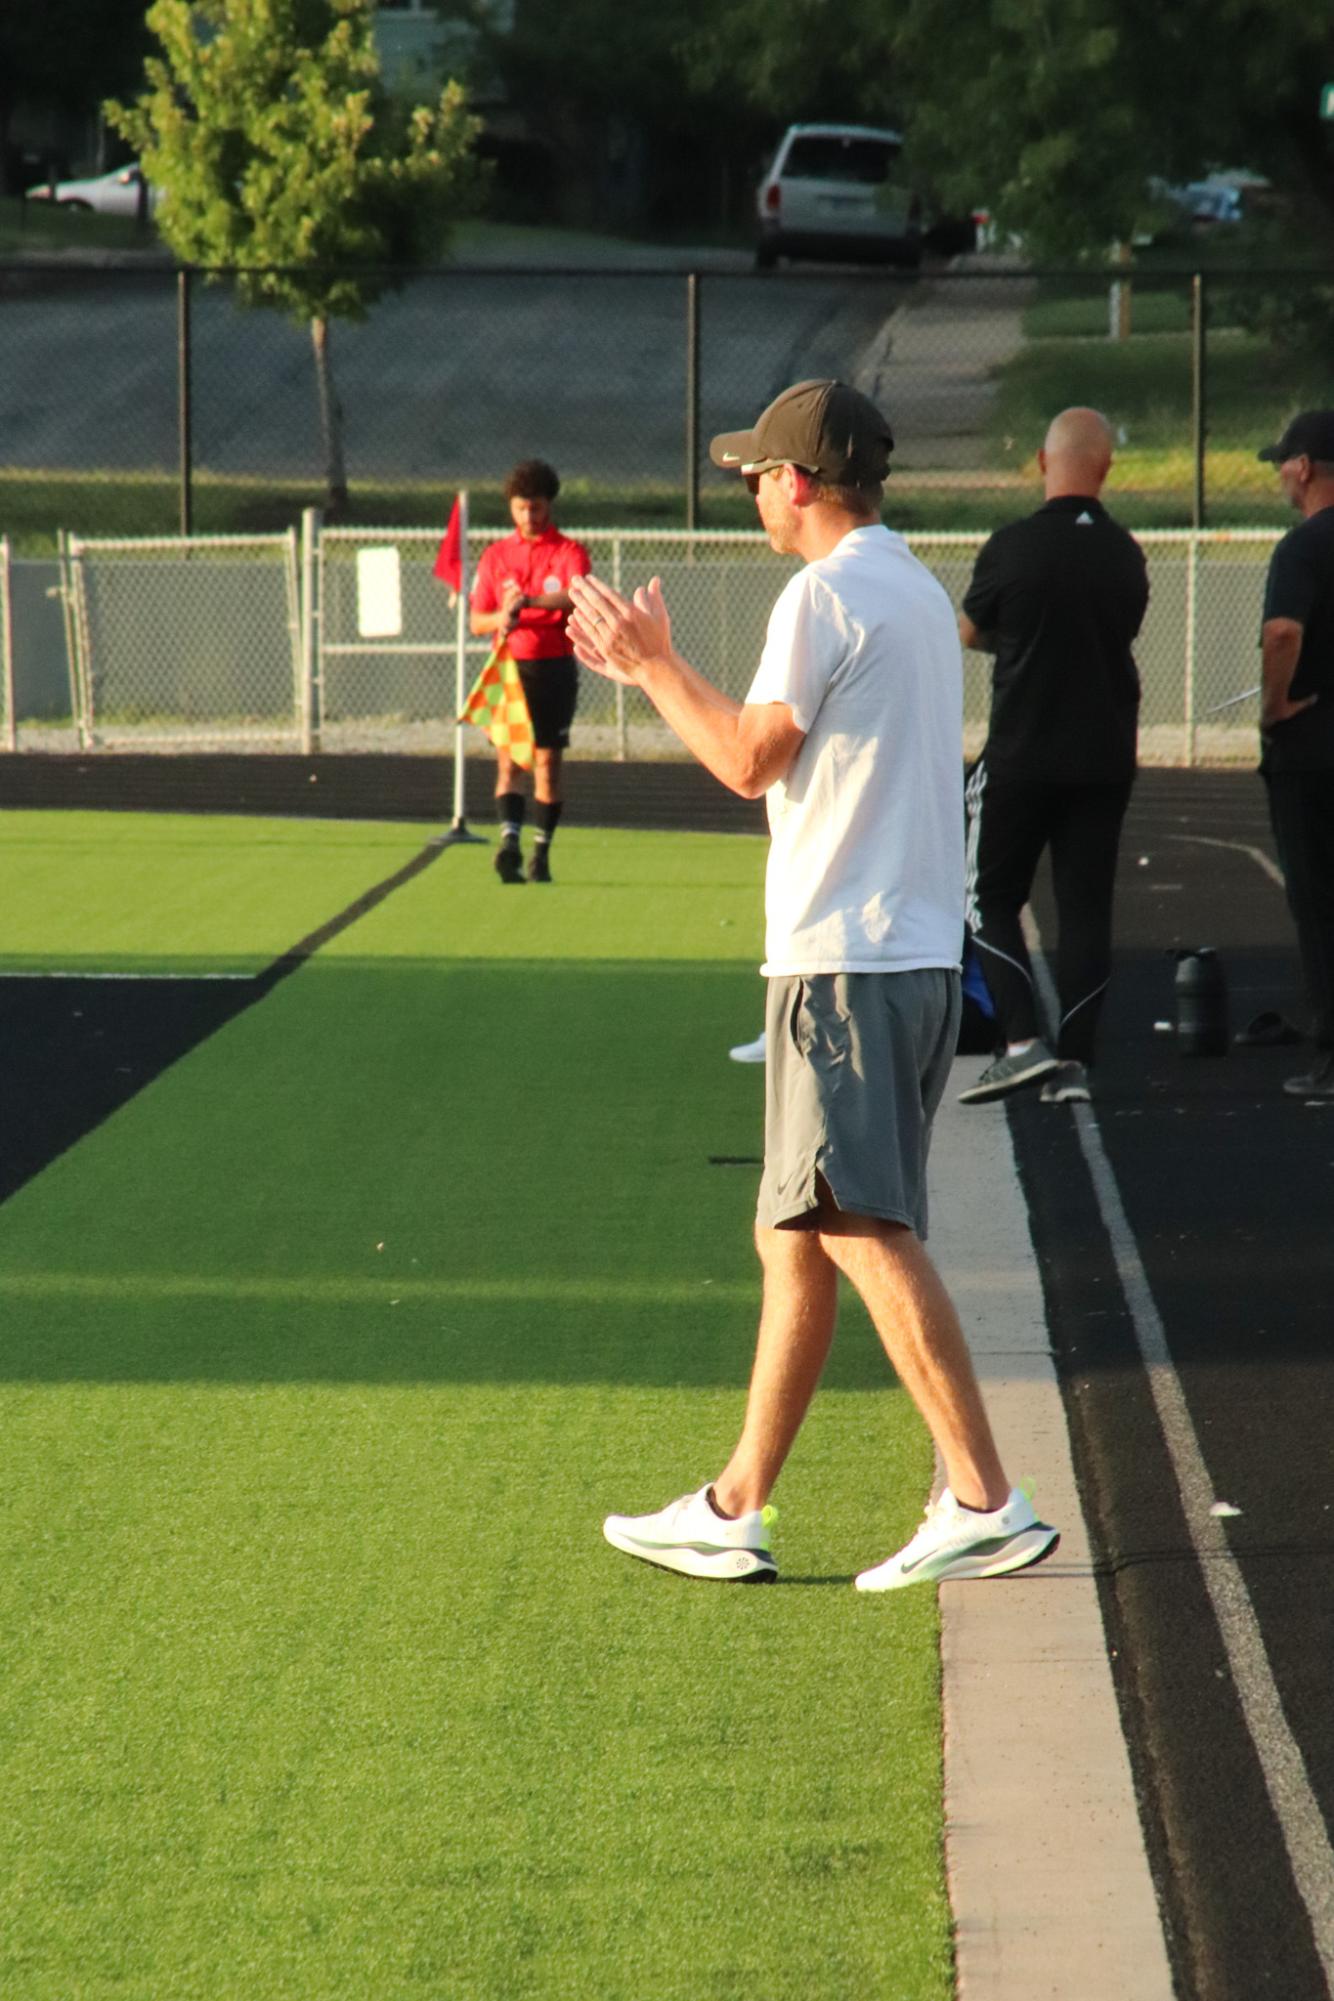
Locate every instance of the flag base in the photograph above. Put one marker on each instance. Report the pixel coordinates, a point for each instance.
(456, 836)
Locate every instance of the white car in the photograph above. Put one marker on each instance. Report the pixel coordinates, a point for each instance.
(835, 191)
(116, 193)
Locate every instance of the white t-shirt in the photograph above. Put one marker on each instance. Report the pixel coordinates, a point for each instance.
(866, 863)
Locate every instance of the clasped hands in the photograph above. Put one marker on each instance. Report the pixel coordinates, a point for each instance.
(615, 636)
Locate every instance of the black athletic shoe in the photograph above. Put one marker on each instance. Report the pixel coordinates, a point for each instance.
(539, 867)
(508, 863)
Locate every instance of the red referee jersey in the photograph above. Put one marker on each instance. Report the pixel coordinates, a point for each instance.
(538, 567)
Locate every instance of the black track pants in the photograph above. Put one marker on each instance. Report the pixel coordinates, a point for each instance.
(1010, 822)
(1301, 812)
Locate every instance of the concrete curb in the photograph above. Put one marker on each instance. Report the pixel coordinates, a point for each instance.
(1048, 1876)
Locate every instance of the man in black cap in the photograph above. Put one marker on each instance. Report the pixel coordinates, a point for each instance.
(1297, 717)
(851, 729)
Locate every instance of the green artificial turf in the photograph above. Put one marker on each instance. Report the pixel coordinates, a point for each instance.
(322, 1360)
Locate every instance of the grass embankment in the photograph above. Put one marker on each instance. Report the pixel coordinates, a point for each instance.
(323, 1358)
(1144, 384)
(27, 226)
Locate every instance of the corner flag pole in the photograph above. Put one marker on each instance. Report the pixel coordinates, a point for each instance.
(461, 667)
(459, 829)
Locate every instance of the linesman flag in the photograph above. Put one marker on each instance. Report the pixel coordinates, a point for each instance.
(448, 565)
(498, 705)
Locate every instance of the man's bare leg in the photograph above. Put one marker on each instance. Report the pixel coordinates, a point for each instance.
(919, 1329)
(796, 1328)
(546, 777)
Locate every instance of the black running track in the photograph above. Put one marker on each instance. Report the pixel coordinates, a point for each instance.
(1228, 1187)
(1229, 1190)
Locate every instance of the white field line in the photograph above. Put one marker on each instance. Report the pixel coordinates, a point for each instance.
(1257, 855)
(1287, 1781)
(29, 973)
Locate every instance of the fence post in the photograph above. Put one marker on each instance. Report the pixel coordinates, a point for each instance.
(692, 401)
(7, 640)
(621, 745)
(1192, 612)
(1199, 409)
(312, 676)
(184, 407)
(77, 637)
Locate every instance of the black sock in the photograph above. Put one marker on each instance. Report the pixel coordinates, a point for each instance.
(712, 1501)
(547, 814)
(509, 811)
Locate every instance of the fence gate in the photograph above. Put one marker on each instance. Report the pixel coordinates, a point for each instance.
(191, 641)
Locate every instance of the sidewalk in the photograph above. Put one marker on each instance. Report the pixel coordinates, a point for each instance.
(1045, 1858)
(933, 361)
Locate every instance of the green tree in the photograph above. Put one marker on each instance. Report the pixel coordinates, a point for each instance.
(793, 60)
(282, 160)
(1055, 113)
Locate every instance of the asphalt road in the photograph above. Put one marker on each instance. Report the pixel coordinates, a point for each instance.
(1228, 1189)
(457, 375)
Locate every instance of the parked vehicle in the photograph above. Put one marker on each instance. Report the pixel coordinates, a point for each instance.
(835, 191)
(116, 193)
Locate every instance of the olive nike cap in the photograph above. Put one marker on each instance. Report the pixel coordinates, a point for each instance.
(1310, 436)
(829, 429)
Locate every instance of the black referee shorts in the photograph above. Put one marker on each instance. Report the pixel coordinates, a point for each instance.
(551, 689)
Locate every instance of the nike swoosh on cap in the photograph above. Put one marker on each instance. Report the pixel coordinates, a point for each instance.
(730, 458)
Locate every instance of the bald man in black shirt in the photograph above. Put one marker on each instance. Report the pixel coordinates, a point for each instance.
(1058, 598)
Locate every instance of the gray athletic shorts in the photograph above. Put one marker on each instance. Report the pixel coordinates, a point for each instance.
(855, 1068)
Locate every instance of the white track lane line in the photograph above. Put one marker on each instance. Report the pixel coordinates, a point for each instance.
(27, 973)
(1257, 855)
(1287, 1781)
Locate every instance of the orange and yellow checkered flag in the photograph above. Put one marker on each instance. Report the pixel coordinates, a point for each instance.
(497, 705)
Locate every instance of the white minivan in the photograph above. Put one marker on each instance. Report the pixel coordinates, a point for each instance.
(835, 191)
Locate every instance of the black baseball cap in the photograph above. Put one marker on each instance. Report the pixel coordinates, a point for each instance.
(829, 429)
(1310, 436)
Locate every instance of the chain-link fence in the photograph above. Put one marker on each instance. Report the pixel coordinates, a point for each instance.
(135, 402)
(349, 643)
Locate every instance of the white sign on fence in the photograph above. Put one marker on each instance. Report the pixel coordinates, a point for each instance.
(379, 594)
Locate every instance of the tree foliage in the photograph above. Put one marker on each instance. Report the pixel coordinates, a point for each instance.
(794, 60)
(281, 159)
(278, 154)
(1055, 113)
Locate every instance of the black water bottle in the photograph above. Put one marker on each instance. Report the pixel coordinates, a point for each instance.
(1201, 1004)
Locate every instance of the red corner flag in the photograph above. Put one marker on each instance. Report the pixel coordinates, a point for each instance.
(449, 556)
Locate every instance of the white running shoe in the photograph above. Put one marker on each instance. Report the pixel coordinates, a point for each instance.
(689, 1537)
(964, 1542)
(749, 1052)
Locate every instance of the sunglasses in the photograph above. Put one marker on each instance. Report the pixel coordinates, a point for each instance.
(753, 479)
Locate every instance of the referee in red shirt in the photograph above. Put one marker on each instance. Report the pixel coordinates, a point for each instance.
(522, 593)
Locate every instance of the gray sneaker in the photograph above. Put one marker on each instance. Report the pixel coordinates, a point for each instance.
(1068, 1084)
(1010, 1073)
(1315, 1083)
